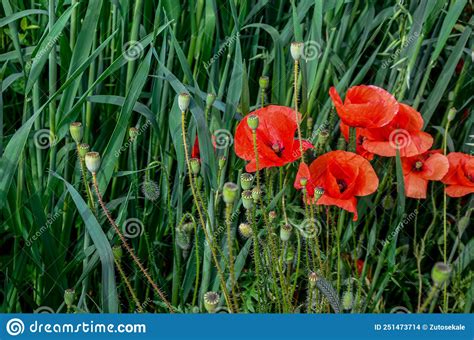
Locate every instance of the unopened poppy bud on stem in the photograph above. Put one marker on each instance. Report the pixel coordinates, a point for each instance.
(117, 252)
(272, 215)
(245, 230)
(133, 133)
(195, 165)
(222, 161)
(229, 192)
(440, 273)
(312, 278)
(263, 82)
(303, 181)
(210, 98)
(252, 122)
(76, 131)
(211, 300)
(451, 114)
(183, 101)
(296, 50)
(246, 180)
(93, 161)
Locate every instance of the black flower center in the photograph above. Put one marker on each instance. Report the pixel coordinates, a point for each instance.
(342, 185)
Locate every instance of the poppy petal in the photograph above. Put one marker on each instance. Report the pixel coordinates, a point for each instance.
(458, 190)
(415, 186)
(347, 204)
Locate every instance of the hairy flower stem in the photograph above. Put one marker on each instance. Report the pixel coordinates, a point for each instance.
(256, 257)
(127, 247)
(433, 291)
(340, 224)
(129, 286)
(196, 247)
(201, 218)
(295, 96)
(228, 222)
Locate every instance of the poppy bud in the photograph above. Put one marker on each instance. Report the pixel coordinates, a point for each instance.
(245, 230)
(69, 297)
(211, 300)
(230, 192)
(117, 252)
(133, 133)
(323, 137)
(256, 194)
(451, 114)
(312, 278)
(189, 227)
(440, 273)
(347, 300)
(309, 123)
(195, 166)
(222, 161)
(211, 97)
(263, 82)
(341, 144)
(246, 180)
(247, 199)
(76, 131)
(272, 215)
(252, 122)
(303, 181)
(93, 161)
(83, 149)
(387, 202)
(296, 49)
(285, 232)
(183, 101)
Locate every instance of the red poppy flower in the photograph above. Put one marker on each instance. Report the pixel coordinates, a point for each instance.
(360, 150)
(418, 170)
(460, 177)
(343, 176)
(365, 106)
(276, 141)
(195, 153)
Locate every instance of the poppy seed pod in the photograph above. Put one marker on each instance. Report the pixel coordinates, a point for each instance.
(222, 161)
(183, 101)
(323, 137)
(211, 300)
(451, 114)
(312, 278)
(210, 98)
(247, 199)
(245, 230)
(256, 194)
(117, 252)
(69, 297)
(318, 192)
(440, 273)
(246, 180)
(83, 149)
(229, 192)
(195, 166)
(76, 131)
(252, 122)
(285, 232)
(133, 133)
(93, 161)
(263, 82)
(297, 50)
